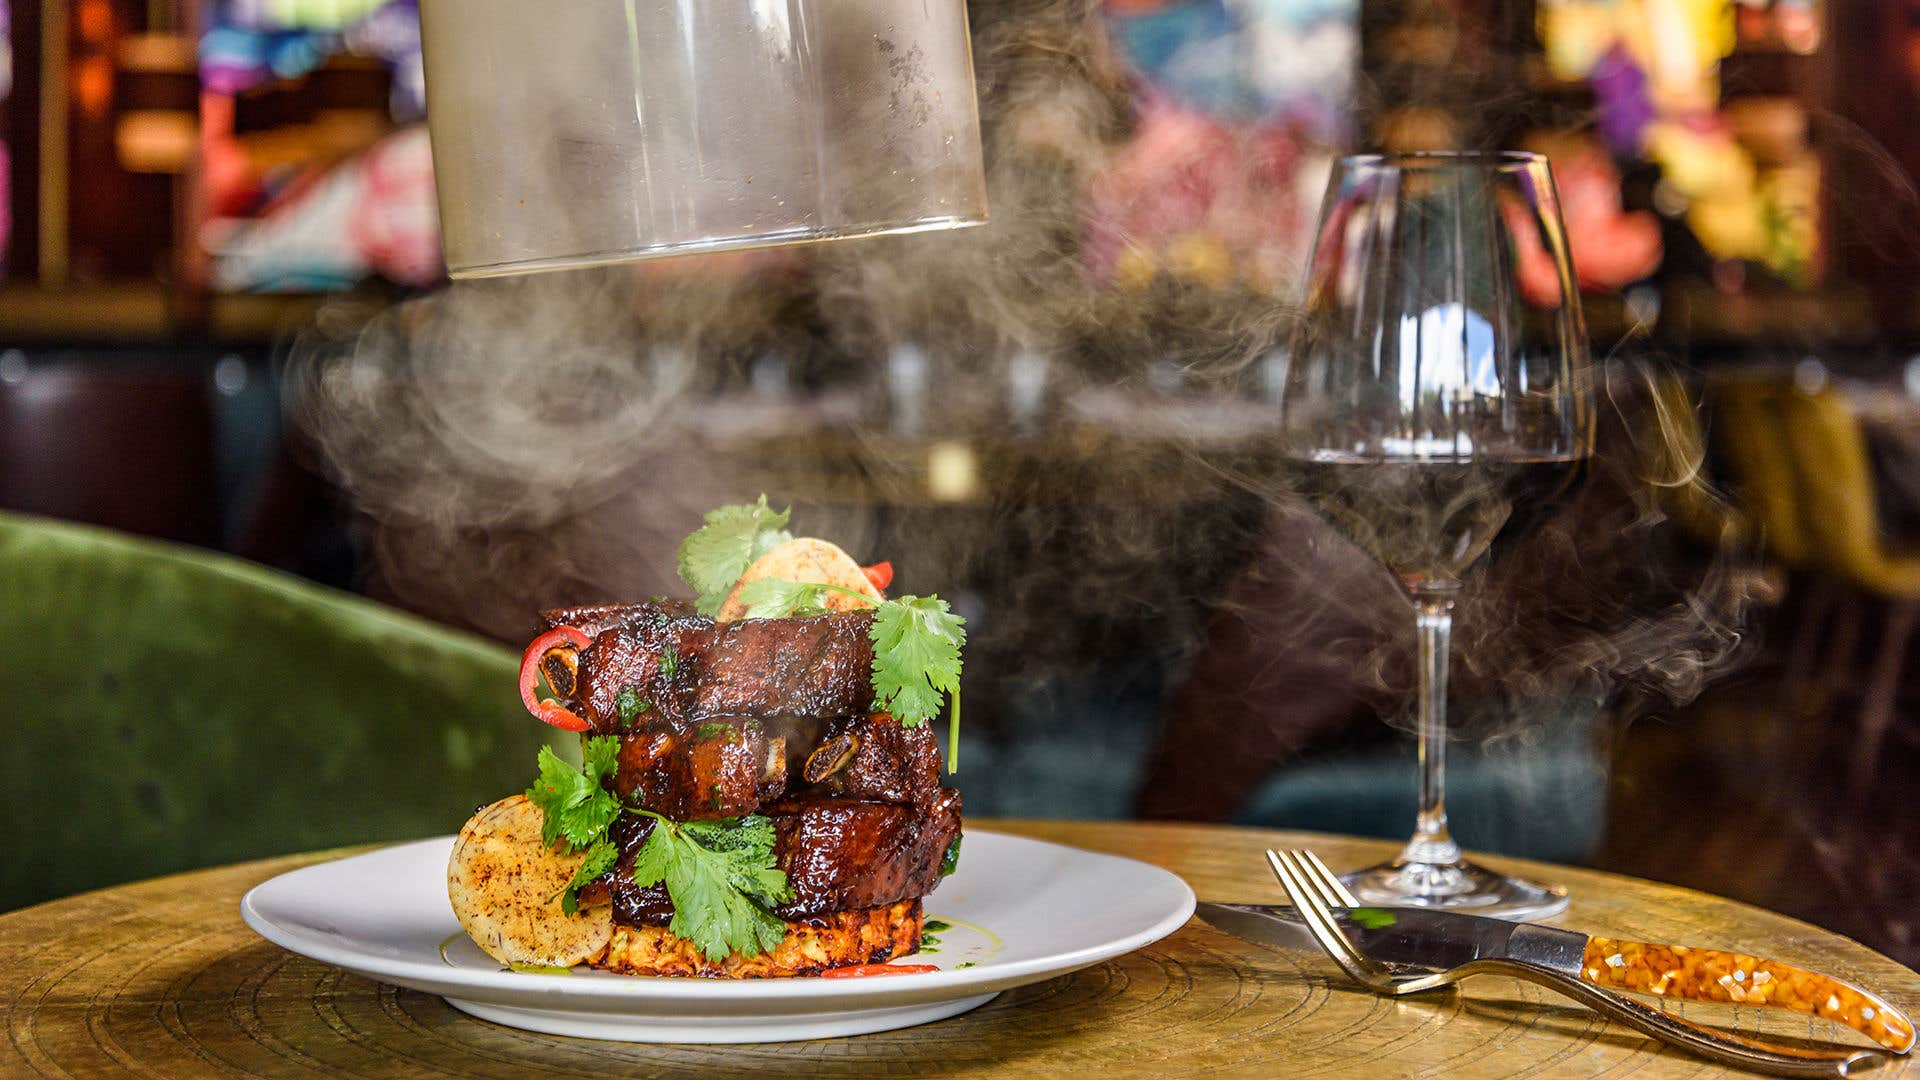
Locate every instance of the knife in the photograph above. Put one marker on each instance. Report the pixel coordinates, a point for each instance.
(1444, 939)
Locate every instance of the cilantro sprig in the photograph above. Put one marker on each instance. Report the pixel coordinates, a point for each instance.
(576, 806)
(720, 874)
(600, 859)
(916, 657)
(719, 552)
(723, 881)
(916, 648)
(576, 803)
(772, 598)
(916, 639)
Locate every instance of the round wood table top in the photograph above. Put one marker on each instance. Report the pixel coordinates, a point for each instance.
(161, 978)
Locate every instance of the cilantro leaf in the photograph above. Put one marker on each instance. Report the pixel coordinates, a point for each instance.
(553, 791)
(575, 803)
(771, 598)
(713, 558)
(916, 656)
(600, 859)
(629, 704)
(722, 879)
(751, 833)
(916, 648)
(598, 756)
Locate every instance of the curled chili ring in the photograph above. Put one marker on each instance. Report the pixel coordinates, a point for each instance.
(548, 710)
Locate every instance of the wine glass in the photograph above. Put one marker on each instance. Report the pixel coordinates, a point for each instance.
(1438, 400)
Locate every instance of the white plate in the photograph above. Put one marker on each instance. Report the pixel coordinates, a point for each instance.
(1021, 910)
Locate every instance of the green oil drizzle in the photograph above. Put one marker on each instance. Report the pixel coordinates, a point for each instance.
(987, 943)
(447, 944)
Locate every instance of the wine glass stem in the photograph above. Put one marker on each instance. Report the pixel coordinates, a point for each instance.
(1433, 608)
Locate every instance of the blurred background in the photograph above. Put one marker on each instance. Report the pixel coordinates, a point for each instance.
(224, 327)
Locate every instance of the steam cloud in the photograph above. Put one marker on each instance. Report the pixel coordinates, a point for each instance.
(524, 443)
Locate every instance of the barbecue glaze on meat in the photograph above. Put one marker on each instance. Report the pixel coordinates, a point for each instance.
(767, 716)
(714, 769)
(839, 855)
(688, 668)
(735, 765)
(885, 761)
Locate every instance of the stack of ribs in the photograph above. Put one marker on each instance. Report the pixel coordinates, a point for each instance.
(762, 716)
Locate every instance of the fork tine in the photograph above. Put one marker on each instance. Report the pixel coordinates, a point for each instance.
(1314, 877)
(1301, 875)
(1281, 871)
(1307, 903)
(1328, 880)
(1313, 911)
(1319, 919)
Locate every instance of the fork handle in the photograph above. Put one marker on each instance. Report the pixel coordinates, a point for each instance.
(1721, 1046)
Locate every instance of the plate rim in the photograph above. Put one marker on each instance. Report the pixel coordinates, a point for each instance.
(633, 989)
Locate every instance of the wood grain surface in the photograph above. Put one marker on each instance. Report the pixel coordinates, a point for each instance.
(162, 979)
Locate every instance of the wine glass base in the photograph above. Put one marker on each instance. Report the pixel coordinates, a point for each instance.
(1462, 886)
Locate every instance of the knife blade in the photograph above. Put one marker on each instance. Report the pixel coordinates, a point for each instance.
(1444, 939)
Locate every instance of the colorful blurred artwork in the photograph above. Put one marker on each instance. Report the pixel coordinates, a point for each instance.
(1240, 105)
(374, 213)
(251, 43)
(1745, 180)
(338, 195)
(1611, 247)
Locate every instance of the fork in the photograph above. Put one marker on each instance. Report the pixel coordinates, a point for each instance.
(1315, 891)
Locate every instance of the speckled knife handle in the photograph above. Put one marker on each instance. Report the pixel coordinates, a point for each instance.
(1680, 971)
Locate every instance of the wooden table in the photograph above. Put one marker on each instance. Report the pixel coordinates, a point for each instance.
(161, 978)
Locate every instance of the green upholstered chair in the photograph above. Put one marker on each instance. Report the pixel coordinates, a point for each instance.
(171, 708)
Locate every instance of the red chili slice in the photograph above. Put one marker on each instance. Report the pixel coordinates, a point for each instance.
(549, 711)
(861, 971)
(880, 573)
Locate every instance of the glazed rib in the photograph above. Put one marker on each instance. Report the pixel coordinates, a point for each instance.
(734, 765)
(764, 716)
(886, 761)
(689, 669)
(838, 854)
(715, 769)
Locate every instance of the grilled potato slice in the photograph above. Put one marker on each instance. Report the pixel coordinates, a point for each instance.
(505, 887)
(806, 559)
